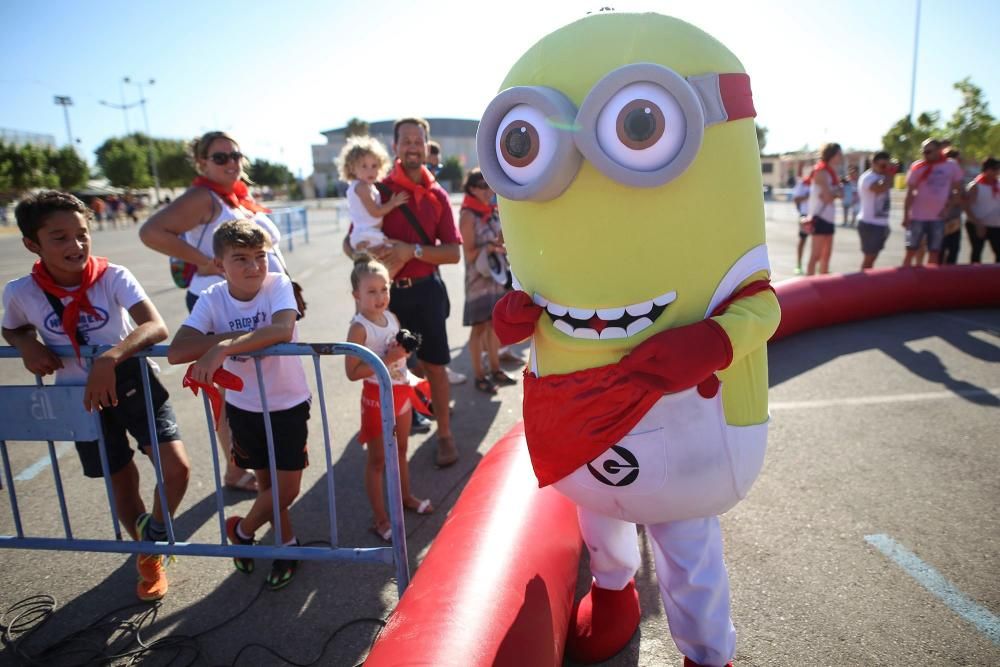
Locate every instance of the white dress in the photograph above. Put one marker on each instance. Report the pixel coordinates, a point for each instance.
(367, 228)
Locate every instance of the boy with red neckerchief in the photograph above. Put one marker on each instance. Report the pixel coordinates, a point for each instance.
(74, 298)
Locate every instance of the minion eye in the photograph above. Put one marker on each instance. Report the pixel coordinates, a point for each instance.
(525, 144)
(641, 127)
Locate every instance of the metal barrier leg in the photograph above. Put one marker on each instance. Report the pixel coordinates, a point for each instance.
(102, 450)
(10, 489)
(54, 460)
(395, 493)
(219, 502)
(272, 466)
(330, 496)
(154, 446)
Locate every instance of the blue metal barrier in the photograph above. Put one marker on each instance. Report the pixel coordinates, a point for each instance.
(290, 221)
(55, 412)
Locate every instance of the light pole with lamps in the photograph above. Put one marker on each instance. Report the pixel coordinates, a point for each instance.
(65, 101)
(149, 136)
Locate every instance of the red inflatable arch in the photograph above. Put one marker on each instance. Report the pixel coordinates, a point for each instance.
(496, 587)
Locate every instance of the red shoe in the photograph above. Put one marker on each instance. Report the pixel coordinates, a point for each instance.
(602, 623)
(688, 662)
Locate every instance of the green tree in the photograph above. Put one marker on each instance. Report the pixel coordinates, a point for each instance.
(356, 128)
(904, 138)
(124, 161)
(173, 163)
(71, 170)
(451, 170)
(23, 168)
(761, 136)
(273, 174)
(970, 126)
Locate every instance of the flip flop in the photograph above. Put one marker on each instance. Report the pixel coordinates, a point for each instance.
(385, 533)
(246, 483)
(423, 507)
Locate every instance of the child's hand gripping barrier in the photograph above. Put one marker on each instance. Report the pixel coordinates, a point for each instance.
(222, 378)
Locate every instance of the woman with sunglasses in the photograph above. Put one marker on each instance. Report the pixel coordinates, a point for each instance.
(184, 229)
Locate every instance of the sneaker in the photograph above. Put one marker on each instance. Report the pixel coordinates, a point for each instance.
(244, 565)
(420, 423)
(798, 270)
(453, 377)
(152, 583)
(281, 574)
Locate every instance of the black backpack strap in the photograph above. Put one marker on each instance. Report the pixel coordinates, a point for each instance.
(384, 190)
(58, 306)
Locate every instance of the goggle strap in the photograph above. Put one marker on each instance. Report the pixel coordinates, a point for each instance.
(724, 97)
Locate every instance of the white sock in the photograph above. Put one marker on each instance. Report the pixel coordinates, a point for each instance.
(292, 542)
(240, 534)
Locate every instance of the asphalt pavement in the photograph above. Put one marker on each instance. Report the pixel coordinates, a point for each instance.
(871, 537)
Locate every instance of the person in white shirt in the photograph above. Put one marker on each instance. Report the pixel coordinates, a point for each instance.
(873, 224)
(800, 196)
(363, 162)
(250, 310)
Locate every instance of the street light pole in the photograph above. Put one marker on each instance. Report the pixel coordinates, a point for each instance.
(66, 102)
(149, 136)
(913, 77)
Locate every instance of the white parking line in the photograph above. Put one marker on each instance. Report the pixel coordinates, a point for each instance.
(892, 398)
(38, 466)
(925, 575)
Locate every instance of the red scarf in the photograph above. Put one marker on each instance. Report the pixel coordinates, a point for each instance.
(992, 182)
(823, 166)
(418, 191)
(238, 195)
(221, 377)
(923, 169)
(92, 272)
(483, 210)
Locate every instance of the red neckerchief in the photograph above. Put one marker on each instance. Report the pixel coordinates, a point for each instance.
(923, 169)
(823, 166)
(483, 210)
(237, 196)
(419, 191)
(92, 272)
(570, 419)
(992, 182)
(221, 377)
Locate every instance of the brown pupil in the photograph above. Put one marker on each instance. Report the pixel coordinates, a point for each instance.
(518, 143)
(639, 125)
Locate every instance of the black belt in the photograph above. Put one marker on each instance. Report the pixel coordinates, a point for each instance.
(406, 283)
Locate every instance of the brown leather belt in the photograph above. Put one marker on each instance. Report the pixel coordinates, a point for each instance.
(406, 283)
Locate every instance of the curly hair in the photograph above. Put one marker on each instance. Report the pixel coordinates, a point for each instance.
(33, 210)
(357, 148)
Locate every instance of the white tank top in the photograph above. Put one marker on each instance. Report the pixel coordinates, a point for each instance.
(378, 339)
(201, 238)
(816, 206)
(367, 228)
(987, 205)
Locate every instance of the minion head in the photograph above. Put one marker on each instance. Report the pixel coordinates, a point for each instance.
(623, 150)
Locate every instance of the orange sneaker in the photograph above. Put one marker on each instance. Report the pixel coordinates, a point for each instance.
(152, 584)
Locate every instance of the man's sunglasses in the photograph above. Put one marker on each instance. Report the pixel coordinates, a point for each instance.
(221, 158)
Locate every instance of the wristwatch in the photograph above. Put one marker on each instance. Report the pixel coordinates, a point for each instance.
(418, 251)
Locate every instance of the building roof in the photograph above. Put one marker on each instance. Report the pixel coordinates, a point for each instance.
(452, 127)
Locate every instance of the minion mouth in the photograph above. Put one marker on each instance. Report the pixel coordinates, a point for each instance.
(605, 323)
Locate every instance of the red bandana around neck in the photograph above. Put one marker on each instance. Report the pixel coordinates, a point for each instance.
(923, 169)
(478, 207)
(823, 166)
(983, 179)
(92, 272)
(238, 196)
(419, 191)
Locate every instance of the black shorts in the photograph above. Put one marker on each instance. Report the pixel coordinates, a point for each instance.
(129, 416)
(822, 227)
(424, 309)
(289, 427)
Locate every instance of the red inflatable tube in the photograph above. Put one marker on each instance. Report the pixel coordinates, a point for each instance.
(497, 586)
(821, 301)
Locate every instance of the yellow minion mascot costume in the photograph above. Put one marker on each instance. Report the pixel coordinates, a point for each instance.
(623, 150)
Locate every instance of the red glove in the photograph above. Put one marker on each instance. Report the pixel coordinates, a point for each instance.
(221, 377)
(677, 359)
(514, 317)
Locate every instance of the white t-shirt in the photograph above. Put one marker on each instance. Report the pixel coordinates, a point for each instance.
(801, 191)
(112, 295)
(874, 206)
(378, 339)
(218, 312)
(367, 228)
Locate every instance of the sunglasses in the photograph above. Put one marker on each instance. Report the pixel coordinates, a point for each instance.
(223, 158)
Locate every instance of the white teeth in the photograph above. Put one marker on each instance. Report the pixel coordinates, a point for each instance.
(556, 309)
(585, 332)
(664, 299)
(540, 300)
(581, 313)
(563, 326)
(637, 309)
(612, 332)
(610, 314)
(638, 326)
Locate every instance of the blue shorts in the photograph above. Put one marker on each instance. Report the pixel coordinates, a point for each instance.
(932, 229)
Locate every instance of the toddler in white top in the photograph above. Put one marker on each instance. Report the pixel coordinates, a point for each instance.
(363, 161)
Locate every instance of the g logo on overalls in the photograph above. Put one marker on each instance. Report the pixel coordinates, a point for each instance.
(614, 467)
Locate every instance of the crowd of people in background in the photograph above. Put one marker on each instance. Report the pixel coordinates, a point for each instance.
(938, 195)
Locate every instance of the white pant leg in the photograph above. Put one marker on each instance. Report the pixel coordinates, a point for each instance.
(695, 588)
(614, 548)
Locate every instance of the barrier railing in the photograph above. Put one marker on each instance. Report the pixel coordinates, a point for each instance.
(46, 412)
(291, 221)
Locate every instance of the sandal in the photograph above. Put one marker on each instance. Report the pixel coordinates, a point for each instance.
(485, 386)
(385, 532)
(281, 574)
(419, 506)
(501, 379)
(247, 482)
(244, 565)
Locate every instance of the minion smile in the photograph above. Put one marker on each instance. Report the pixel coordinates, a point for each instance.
(605, 323)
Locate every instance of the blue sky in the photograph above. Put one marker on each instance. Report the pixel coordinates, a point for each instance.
(276, 75)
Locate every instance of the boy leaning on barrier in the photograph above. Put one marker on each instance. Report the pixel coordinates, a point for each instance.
(73, 298)
(250, 310)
